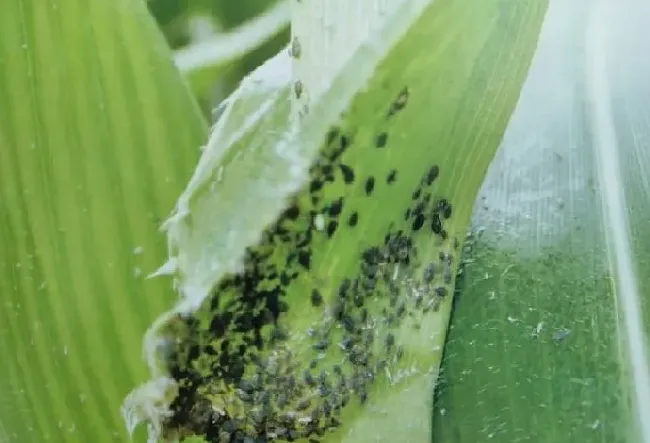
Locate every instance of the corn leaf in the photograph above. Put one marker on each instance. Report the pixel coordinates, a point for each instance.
(421, 97)
(98, 135)
(549, 338)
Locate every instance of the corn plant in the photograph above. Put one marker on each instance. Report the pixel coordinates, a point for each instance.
(419, 221)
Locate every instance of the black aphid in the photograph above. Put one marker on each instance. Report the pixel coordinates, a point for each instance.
(369, 337)
(336, 207)
(282, 400)
(419, 208)
(285, 280)
(331, 228)
(399, 103)
(308, 378)
(246, 397)
(370, 185)
(348, 323)
(324, 390)
(444, 207)
(363, 397)
(364, 315)
(441, 291)
(297, 88)
(346, 343)
(390, 340)
(429, 273)
(345, 142)
(296, 48)
(332, 135)
(345, 287)
(322, 377)
(303, 404)
(358, 356)
(348, 173)
(369, 284)
(316, 297)
(338, 309)
(263, 397)
(369, 270)
(436, 224)
(381, 140)
(292, 212)
(321, 345)
(257, 381)
(327, 408)
(418, 222)
(315, 186)
(372, 256)
(247, 386)
(304, 259)
(447, 276)
(353, 219)
(279, 334)
(432, 175)
(392, 176)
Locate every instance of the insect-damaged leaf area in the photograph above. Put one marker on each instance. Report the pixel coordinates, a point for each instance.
(347, 293)
(303, 332)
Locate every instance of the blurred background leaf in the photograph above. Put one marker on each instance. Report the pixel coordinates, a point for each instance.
(98, 136)
(186, 22)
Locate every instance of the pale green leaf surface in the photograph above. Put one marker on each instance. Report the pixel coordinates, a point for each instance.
(544, 344)
(97, 136)
(462, 95)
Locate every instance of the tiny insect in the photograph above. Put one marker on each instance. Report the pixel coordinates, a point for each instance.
(561, 334)
(296, 48)
(298, 88)
(304, 404)
(399, 103)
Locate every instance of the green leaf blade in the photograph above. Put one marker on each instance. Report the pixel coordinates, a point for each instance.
(540, 346)
(97, 134)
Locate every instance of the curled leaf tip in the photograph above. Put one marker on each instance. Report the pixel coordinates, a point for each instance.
(168, 268)
(149, 404)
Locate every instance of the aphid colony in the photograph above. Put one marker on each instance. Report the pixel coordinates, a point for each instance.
(242, 374)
